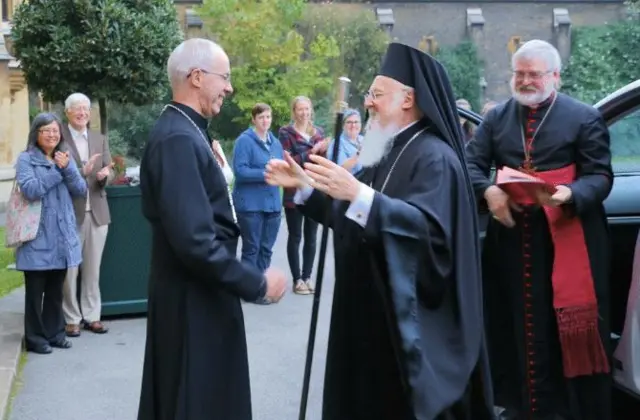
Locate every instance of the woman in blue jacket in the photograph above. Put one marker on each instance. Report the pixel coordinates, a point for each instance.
(45, 173)
(258, 205)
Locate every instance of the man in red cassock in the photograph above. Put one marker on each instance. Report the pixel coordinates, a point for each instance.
(546, 260)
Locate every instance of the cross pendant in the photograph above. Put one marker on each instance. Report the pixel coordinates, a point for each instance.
(528, 168)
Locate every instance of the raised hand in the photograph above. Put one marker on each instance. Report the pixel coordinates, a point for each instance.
(285, 173)
(104, 172)
(87, 168)
(61, 159)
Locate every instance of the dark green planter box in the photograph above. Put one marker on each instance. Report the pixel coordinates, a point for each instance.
(124, 270)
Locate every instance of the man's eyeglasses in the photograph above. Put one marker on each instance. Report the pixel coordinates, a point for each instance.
(533, 75)
(226, 77)
(375, 95)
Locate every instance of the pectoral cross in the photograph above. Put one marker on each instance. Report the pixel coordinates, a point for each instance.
(527, 167)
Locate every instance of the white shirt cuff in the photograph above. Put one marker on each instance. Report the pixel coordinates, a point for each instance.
(302, 194)
(360, 208)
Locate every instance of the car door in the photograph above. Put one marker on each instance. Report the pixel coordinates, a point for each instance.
(621, 110)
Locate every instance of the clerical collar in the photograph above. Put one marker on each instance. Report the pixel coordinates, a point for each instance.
(407, 132)
(193, 114)
(544, 104)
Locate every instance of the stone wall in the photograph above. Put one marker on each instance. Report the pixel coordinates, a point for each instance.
(503, 22)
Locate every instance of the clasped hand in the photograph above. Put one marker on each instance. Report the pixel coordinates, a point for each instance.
(61, 159)
(321, 173)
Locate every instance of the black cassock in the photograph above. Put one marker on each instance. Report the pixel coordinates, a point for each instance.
(195, 365)
(522, 331)
(406, 336)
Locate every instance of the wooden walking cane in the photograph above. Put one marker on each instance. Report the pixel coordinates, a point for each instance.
(343, 96)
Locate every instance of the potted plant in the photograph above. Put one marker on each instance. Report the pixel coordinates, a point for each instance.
(120, 171)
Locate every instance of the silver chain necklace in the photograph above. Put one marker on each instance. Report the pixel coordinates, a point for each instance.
(209, 147)
(384, 185)
(546, 114)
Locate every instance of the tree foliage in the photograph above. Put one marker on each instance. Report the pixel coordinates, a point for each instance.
(112, 50)
(361, 41)
(464, 68)
(603, 59)
(270, 62)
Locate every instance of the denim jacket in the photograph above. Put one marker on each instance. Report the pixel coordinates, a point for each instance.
(57, 244)
(251, 193)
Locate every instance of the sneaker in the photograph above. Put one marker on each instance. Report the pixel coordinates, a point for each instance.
(310, 286)
(301, 288)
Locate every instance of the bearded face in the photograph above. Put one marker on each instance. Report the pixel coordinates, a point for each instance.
(532, 82)
(381, 130)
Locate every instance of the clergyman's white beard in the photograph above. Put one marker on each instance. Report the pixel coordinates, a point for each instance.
(376, 143)
(532, 98)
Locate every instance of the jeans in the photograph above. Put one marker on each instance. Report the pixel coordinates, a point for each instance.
(297, 224)
(259, 231)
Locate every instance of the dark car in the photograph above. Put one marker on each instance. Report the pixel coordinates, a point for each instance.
(621, 110)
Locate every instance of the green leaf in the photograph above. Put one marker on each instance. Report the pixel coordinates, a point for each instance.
(108, 49)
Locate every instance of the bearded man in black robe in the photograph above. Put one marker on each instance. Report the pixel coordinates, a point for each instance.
(195, 365)
(406, 336)
(546, 260)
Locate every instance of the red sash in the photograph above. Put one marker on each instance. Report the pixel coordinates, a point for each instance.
(574, 298)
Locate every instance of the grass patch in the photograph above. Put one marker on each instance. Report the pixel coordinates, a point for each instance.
(9, 279)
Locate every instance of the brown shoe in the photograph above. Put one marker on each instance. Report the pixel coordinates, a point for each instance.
(96, 327)
(72, 330)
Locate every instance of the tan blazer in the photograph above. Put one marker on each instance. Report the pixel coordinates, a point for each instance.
(97, 194)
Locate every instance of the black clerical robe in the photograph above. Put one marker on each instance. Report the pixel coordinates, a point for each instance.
(406, 336)
(522, 329)
(195, 365)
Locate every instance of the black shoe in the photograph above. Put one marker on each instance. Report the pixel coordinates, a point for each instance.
(43, 349)
(62, 344)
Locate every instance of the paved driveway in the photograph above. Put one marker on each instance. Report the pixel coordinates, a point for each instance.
(99, 378)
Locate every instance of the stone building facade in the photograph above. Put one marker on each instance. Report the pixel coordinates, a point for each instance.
(496, 27)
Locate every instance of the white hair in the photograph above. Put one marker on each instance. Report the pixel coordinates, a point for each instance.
(538, 49)
(194, 53)
(75, 99)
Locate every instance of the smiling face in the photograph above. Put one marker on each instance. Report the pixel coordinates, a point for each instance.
(302, 112)
(387, 101)
(352, 126)
(213, 84)
(262, 121)
(79, 115)
(532, 81)
(48, 137)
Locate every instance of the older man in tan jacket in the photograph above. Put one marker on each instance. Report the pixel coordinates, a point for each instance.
(90, 150)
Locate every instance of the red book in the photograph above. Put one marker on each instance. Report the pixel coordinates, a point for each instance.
(522, 187)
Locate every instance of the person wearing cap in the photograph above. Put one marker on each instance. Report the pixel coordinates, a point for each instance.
(350, 142)
(406, 337)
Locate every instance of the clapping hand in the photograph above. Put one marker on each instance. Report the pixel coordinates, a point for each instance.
(321, 146)
(87, 168)
(332, 179)
(285, 173)
(104, 172)
(61, 159)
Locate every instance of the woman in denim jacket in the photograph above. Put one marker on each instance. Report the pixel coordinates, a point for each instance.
(44, 172)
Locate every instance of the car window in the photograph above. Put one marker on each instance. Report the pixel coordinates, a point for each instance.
(625, 143)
